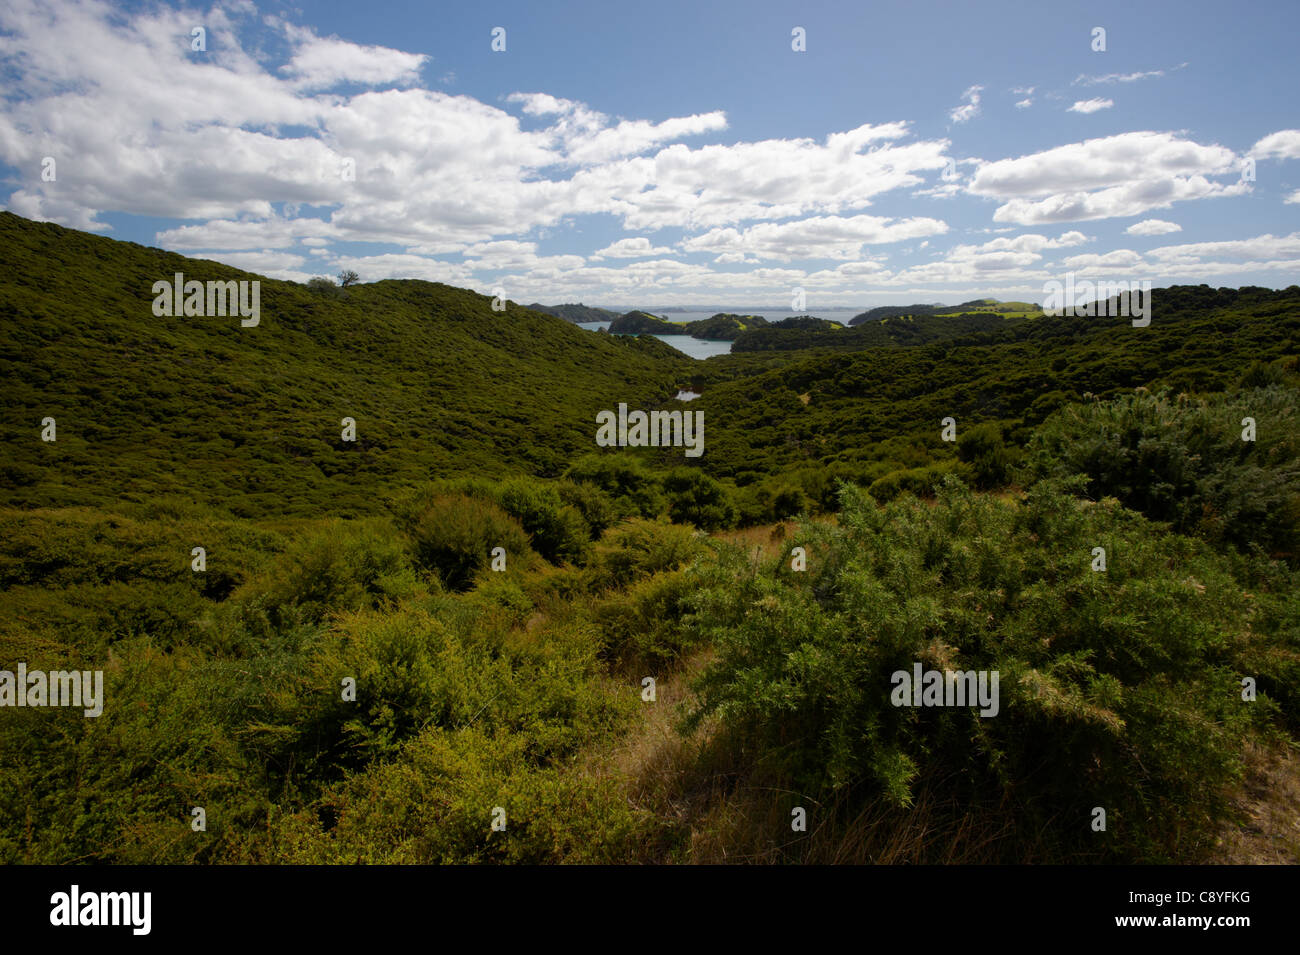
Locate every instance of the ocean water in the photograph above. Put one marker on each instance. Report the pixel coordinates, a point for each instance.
(695, 347)
(707, 347)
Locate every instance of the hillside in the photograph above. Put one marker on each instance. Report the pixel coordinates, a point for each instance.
(643, 323)
(974, 305)
(575, 313)
(893, 330)
(250, 418)
(725, 326)
(496, 589)
(867, 404)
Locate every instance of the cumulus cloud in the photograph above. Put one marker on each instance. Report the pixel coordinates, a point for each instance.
(1123, 175)
(1284, 144)
(1153, 227)
(820, 237)
(1091, 105)
(637, 248)
(322, 63)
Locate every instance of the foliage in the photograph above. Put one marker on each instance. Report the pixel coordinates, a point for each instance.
(1117, 689)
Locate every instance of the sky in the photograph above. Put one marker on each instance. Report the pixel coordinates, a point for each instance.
(671, 153)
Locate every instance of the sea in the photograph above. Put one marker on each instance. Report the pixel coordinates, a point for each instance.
(706, 347)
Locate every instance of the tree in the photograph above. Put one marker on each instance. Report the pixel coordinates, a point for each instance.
(348, 277)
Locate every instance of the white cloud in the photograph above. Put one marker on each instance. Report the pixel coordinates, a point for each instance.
(971, 107)
(1284, 144)
(639, 247)
(1024, 103)
(1091, 105)
(322, 63)
(1153, 227)
(821, 237)
(1117, 77)
(1123, 175)
(1293, 198)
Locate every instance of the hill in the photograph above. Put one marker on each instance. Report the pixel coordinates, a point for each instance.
(249, 418)
(575, 313)
(643, 323)
(974, 305)
(868, 404)
(725, 326)
(395, 639)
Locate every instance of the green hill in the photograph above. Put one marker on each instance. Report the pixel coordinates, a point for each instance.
(576, 313)
(881, 403)
(643, 323)
(352, 677)
(725, 326)
(250, 418)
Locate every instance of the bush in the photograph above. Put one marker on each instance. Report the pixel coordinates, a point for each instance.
(1118, 689)
(695, 498)
(982, 448)
(639, 548)
(643, 628)
(558, 531)
(338, 567)
(1184, 461)
(453, 535)
(633, 488)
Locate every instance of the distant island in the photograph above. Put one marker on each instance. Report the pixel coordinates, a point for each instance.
(989, 305)
(643, 323)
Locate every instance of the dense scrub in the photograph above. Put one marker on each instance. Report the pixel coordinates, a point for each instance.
(1120, 689)
(389, 641)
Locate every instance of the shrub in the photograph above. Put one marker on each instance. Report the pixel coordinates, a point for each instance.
(558, 531)
(982, 448)
(1184, 461)
(634, 489)
(639, 548)
(1118, 689)
(643, 627)
(453, 535)
(339, 566)
(695, 498)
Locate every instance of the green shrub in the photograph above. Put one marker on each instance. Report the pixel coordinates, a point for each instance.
(639, 548)
(1118, 689)
(454, 535)
(982, 447)
(1184, 461)
(695, 498)
(643, 627)
(557, 531)
(337, 567)
(634, 489)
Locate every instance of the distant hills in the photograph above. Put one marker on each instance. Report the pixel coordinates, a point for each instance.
(725, 326)
(575, 313)
(990, 305)
(643, 323)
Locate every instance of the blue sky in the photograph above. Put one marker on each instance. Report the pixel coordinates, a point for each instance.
(674, 153)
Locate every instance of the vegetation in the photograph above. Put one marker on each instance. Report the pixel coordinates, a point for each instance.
(643, 323)
(725, 326)
(575, 313)
(395, 641)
